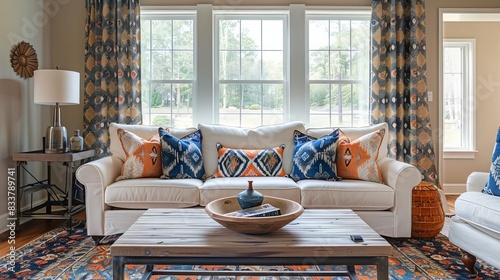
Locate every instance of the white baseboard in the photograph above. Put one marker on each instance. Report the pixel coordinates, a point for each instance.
(3, 218)
(454, 189)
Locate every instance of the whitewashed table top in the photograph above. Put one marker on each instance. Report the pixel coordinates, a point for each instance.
(192, 233)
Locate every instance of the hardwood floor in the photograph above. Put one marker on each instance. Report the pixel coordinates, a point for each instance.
(33, 229)
(451, 203)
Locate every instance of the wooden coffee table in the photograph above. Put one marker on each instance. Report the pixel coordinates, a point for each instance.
(191, 237)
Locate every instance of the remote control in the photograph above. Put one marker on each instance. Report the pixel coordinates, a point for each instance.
(356, 238)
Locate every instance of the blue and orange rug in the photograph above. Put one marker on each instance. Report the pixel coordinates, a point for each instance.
(70, 254)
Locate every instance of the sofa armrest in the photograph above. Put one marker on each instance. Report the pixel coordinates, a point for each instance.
(476, 181)
(398, 174)
(96, 176)
(402, 177)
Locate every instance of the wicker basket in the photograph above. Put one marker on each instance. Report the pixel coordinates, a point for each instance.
(427, 211)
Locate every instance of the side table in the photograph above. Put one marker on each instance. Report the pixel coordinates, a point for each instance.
(427, 211)
(56, 196)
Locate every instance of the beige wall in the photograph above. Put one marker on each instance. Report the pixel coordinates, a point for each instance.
(487, 37)
(67, 41)
(432, 34)
(22, 122)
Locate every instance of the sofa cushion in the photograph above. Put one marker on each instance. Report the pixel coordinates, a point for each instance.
(243, 162)
(479, 209)
(262, 137)
(314, 158)
(153, 193)
(216, 188)
(354, 133)
(143, 156)
(143, 131)
(348, 194)
(493, 184)
(357, 159)
(181, 158)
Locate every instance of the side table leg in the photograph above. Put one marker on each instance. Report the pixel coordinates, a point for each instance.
(69, 190)
(18, 195)
(118, 268)
(48, 207)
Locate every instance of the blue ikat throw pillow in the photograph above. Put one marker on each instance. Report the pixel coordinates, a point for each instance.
(315, 158)
(493, 185)
(181, 158)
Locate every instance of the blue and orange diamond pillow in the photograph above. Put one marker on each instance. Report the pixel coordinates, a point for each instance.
(249, 163)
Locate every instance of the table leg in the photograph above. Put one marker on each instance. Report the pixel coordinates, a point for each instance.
(352, 272)
(382, 268)
(148, 272)
(118, 268)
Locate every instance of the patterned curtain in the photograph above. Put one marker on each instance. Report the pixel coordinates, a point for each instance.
(112, 76)
(399, 83)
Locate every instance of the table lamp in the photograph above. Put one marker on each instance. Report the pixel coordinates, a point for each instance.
(56, 87)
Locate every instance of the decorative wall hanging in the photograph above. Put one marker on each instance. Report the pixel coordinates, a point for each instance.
(23, 59)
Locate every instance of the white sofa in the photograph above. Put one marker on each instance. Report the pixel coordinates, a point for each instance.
(112, 206)
(475, 228)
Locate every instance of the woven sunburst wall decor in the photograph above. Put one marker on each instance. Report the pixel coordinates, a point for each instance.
(23, 59)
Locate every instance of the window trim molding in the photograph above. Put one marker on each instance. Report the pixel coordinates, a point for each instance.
(460, 154)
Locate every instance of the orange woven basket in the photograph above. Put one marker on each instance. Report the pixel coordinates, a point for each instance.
(427, 211)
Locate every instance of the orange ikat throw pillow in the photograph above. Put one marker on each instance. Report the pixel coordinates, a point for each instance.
(243, 163)
(358, 159)
(143, 156)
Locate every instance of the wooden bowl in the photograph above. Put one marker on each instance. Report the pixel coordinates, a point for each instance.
(217, 209)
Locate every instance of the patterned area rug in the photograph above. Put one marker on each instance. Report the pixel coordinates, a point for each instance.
(70, 254)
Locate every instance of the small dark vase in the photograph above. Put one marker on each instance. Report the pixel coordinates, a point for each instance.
(250, 197)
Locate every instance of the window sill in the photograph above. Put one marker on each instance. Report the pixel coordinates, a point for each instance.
(459, 154)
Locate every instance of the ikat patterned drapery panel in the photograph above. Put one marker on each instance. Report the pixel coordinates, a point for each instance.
(112, 76)
(399, 83)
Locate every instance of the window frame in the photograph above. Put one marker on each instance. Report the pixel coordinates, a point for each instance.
(205, 98)
(341, 14)
(468, 49)
(250, 15)
(164, 14)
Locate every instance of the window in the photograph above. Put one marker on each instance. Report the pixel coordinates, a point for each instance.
(250, 69)
(167, 65)
(339, 56)
(236, 70)
(458, 95)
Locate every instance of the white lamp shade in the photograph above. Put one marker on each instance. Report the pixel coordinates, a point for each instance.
(61, 86)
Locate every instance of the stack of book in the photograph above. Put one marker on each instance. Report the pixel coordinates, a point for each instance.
(264, 210)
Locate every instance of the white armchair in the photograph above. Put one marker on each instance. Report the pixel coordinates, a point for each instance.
(475, 228)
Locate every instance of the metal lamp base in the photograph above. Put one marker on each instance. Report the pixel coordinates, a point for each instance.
(56, 140)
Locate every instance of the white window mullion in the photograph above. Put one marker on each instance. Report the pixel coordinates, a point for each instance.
(298, 102)
(205, 99)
